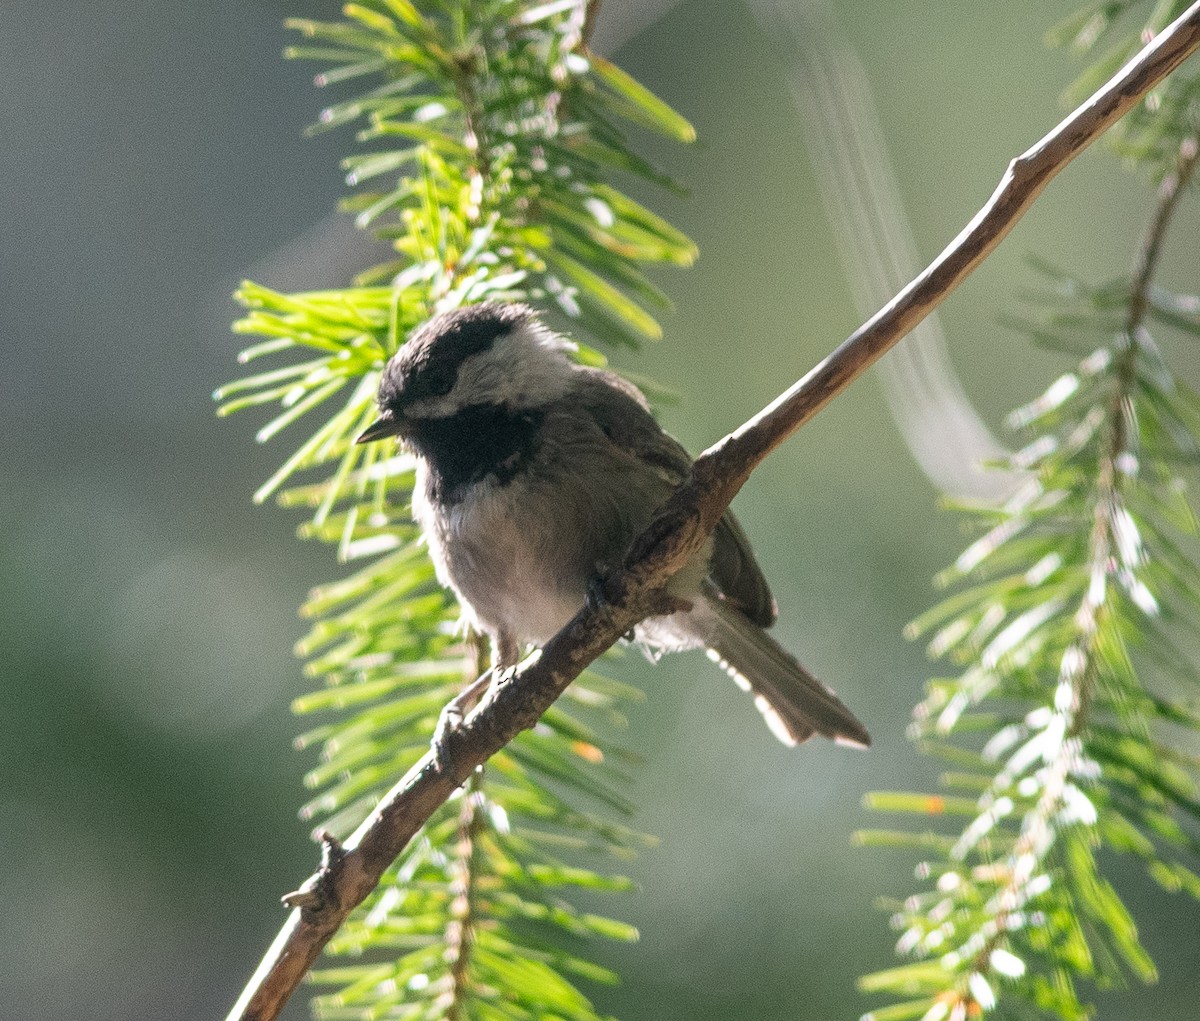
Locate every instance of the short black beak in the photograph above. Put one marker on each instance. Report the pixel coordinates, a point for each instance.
(384, 426)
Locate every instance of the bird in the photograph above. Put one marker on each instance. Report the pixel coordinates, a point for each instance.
(534, 475)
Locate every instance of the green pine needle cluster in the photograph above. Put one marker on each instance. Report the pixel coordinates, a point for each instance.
(1055, 744)
(1069, 726)
(492, 138)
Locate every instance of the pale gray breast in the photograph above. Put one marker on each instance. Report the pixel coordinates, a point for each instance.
(520, 555)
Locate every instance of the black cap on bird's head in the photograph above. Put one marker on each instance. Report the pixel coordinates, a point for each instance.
(426, 366)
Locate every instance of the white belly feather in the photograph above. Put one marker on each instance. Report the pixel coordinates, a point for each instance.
(516, 565)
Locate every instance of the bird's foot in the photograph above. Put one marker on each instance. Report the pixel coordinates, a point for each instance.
(452, 716)
(595, 596)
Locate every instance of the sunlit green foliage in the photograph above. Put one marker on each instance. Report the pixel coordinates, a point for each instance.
(492, 137)
(1068, 727)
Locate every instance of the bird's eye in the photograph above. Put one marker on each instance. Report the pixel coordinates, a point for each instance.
(439, 384)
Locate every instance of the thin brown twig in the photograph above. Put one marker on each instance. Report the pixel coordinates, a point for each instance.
(460, 936)
(1169, 191)
(591, 14)
(635, 591)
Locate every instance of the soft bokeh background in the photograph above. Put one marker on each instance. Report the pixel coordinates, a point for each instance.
(152, 157)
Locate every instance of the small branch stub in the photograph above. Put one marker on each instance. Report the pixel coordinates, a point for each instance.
(316, 892)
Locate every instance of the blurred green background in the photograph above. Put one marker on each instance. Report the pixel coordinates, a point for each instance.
(152, 157)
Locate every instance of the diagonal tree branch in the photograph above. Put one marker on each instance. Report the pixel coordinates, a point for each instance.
(348, 874)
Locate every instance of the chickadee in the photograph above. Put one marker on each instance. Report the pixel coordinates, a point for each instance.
(534, 475)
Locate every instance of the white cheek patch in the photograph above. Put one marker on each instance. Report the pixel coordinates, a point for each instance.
(523, 369)
(488, 377)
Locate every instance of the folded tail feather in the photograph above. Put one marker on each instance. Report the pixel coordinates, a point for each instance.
(795, 704)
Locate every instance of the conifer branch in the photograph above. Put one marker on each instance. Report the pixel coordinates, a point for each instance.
(634, 592)
(1065, 568)
(1169, 193)
(460, 940)
(1081, 664)
(510, 182)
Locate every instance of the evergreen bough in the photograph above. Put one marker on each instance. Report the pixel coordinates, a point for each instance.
(496, 136)
(1065, 729)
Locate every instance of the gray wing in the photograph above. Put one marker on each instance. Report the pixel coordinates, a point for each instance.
(622, 413)
(738, 575)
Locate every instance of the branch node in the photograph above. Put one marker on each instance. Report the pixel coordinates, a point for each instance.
(318, 891)
(332, 850)
(305, 898)
(664, 544)
(454, 713)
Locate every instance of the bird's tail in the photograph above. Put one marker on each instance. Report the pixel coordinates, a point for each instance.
(795, 704)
